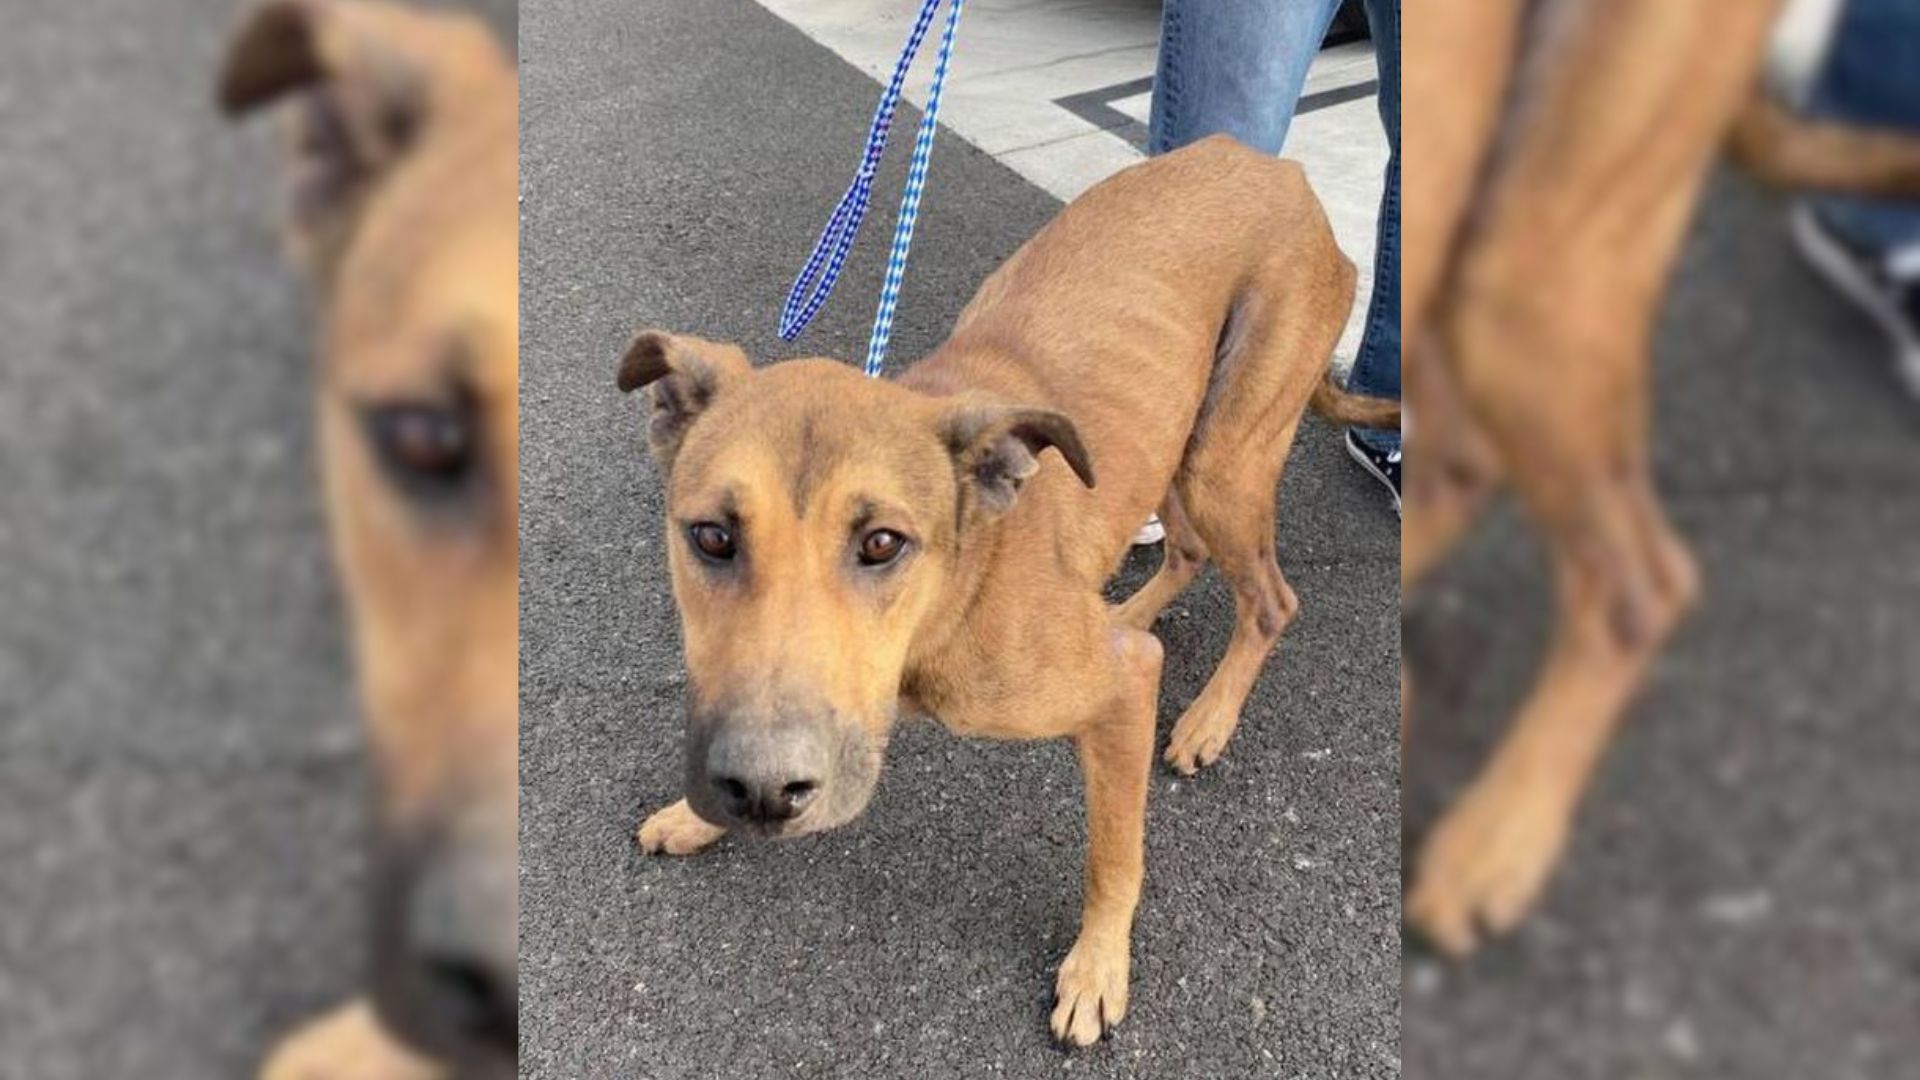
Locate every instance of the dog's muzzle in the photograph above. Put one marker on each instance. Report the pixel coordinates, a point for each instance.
(781, 777)
(444, 939)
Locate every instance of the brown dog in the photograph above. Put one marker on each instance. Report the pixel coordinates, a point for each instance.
(401, 206)
(1555, 151)
(846, 549)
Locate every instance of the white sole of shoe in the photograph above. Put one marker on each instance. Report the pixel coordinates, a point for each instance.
(1359, 455)
(1836, 265)
(1151, 533)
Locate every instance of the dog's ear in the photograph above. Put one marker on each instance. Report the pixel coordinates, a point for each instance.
(364, 82)
(996, 448)
(685, 374)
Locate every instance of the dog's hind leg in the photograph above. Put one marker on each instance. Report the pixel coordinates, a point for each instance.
(1233, 515)
(1453, 473)
(1453, 469)
(1184, 557)
(1456, 65)
(1549, 326)
(1230, 476)
(1623, 581)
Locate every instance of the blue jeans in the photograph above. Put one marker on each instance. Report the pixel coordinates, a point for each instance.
(1872, 76)
(1237, 66)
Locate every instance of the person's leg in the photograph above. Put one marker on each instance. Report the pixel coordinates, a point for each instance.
(1377, 369)
(1872, 77)
(1867, 249)
(1233, 67)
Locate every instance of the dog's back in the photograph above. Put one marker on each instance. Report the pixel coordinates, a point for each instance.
(1194, 251)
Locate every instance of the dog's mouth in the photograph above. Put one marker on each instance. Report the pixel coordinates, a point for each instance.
(783, 830)
(443, 940)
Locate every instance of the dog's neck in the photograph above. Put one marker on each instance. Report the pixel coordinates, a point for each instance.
(936, 641)
(971, 363)
(946, 647)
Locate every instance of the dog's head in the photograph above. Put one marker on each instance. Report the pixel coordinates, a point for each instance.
(401, 204)
(823, 529)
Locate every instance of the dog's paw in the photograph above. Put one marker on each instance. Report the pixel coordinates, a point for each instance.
(1486, 863)
(1200, 737)
(347, 1044)
(677, 830)
(1090, 994)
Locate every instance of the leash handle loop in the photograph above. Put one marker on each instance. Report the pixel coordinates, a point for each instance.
(910, 200)
(817, 278)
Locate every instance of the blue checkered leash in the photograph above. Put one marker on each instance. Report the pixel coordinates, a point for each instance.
(817, 278)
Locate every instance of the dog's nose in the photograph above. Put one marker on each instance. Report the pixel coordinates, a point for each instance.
(765, 802)
(765, 775)
(446, 955)
(463, 991)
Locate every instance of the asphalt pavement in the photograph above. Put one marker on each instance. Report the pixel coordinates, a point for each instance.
(181, 779)
(678, 161)
(1742, 896)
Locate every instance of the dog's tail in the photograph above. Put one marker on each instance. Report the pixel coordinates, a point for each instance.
(1796, 154)
(1334, 402)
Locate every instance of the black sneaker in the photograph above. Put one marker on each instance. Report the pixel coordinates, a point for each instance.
(1885, 286)
(1383, 465)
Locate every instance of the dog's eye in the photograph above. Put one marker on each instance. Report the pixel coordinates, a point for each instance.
(713, 541)
(880, 547)
(428, 449)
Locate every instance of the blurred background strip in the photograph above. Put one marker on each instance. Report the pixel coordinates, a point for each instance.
(183, 791)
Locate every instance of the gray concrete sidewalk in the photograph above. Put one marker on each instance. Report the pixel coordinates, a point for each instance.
(677, 163)
(1742, 896)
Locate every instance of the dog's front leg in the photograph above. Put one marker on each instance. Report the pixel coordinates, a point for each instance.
(677, 830)
(1116, 752)
(347, 1044)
